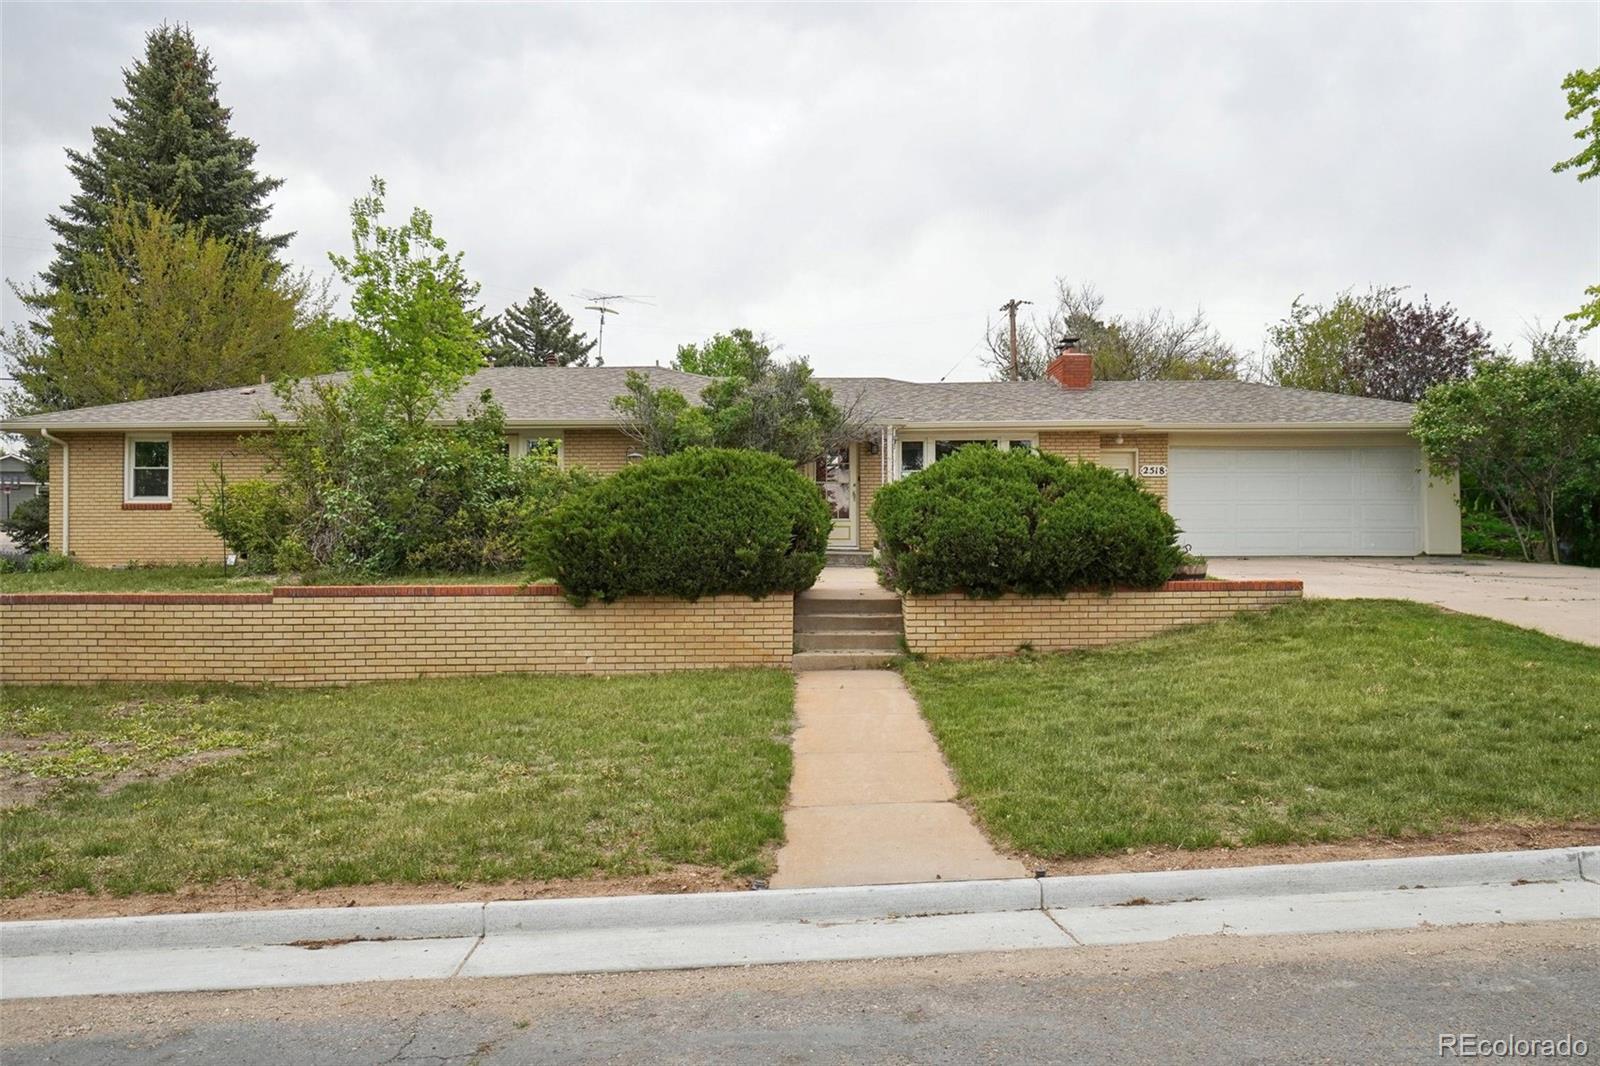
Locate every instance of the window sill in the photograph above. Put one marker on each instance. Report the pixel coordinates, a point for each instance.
(146, 505)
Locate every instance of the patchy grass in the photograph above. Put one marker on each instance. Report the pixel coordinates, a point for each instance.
(478, 780)
(218, 579)
(134, 579)
(1320, 721)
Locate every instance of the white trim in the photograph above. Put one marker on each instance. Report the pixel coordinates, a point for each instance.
(66, 492)
(1001, 436)
(129, 440)
(25, 425)
(1133, 467)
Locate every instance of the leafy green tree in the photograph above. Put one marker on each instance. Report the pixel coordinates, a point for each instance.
(1374, 345)
(1522, 432)
(537, 332)
(1583, 98)
(663, 421)
(169, 144)
(758, 402)
(173, 310)
(734, 354)
(416, 338)
(1314, 346)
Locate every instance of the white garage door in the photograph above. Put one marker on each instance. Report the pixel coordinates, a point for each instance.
(1297, 501)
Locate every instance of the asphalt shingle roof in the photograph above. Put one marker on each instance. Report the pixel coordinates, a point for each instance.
(583, 395)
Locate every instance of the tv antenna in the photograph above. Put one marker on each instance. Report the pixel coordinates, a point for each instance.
(600, 303)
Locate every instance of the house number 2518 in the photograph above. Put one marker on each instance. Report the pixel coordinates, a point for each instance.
(1153, 470)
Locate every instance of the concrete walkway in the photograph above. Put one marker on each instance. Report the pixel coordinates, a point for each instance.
(871, 801)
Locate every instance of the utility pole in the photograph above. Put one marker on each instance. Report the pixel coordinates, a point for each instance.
(1010, 307)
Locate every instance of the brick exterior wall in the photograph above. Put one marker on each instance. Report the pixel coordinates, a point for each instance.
(1087, 445)
(954, 626)
(330, 635)
(1079, 444)
(1152, 449)
(600, 451)
(869, 477)
(105, 532)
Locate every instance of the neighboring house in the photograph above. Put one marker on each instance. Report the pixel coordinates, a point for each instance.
(17, 484)
(1245, 469)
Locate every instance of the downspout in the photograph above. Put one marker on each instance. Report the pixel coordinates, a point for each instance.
(66, 490)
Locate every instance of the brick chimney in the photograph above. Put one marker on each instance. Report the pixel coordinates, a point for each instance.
(1071, 369)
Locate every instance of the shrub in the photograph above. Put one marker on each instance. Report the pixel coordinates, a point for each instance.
(355, 489)
(696, 523)
(1485, 533)
(48, 562)
(987, 522)
(29, 524)
(251, 517)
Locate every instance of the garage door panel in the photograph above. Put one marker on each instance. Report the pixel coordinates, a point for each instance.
(1257, 515)
(1324, 542)
(1260, 542)
(1388, 542)
(1266, 488)
(1388, 516)
(1339, 485)
(1297, 501)
(1321, 460)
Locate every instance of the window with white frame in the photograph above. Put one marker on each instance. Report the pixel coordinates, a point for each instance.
(918, 451)
(546, 447)
(148, 469)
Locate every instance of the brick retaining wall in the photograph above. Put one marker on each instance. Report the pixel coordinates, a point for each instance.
(954, 626)
(315, 635)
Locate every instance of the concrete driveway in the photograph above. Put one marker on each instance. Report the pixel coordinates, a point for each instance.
(1560, 600)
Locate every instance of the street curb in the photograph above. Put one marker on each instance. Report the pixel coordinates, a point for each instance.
(1360, 875)
(235, 929)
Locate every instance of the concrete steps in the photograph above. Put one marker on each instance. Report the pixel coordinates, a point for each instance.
(846, 629)
(848, 557)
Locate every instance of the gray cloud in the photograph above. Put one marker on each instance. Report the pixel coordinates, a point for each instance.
(868, 183)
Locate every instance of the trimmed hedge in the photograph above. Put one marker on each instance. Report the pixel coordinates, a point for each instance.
(988, 522)
(697, 523)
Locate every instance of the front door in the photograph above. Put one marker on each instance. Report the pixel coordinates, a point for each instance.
(836, 477)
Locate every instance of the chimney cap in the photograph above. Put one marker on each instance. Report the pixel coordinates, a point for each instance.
(1068, 344)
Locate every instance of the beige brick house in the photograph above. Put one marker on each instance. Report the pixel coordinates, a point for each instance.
(1245, 469)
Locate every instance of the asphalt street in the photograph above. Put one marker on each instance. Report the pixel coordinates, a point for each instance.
(1377, 997)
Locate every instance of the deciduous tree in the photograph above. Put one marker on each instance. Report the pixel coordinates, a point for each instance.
(1378, 345)
(167, 309)
(1583, 98)
(416, 336)
(1154, 344)
(1523, 432)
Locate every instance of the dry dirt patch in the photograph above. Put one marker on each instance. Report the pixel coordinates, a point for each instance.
(145, 740)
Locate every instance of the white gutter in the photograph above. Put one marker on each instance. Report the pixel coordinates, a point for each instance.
(66, 491)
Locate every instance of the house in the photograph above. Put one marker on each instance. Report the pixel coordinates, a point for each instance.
(17, 484)
(1246, 469)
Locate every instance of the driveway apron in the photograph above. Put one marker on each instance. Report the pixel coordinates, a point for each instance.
(871, 800)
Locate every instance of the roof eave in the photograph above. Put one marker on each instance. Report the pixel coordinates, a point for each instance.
(1280, 427)
(23, 425)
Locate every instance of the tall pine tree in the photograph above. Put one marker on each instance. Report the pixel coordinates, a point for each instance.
(537, 332)
(169, 144)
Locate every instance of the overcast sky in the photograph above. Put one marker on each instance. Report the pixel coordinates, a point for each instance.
(867, 184)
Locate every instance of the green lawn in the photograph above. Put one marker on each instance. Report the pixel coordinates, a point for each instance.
(481, 780)
(216, 579)
(1319, 721)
